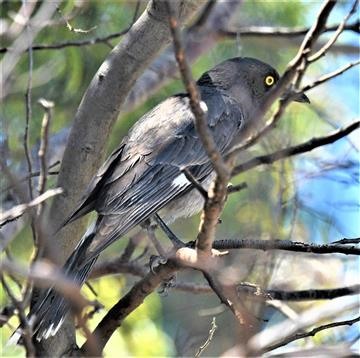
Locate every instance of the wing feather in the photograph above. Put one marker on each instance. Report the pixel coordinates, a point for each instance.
(138, 178)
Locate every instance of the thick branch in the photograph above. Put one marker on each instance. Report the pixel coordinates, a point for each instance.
(101, 105)
(216, 198)
(94, 119)
(127, 304)
(201, 125)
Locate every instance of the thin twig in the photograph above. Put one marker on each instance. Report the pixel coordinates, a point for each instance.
(293, 73)
(311, 333)
(44, 137)
(329, 76)
(297, 149)
(347, 241)
(19, 210)
(93, 41)
(333, 39)
(269, 31)
(209, 338)
(27, 332)
(313, 294)
(81, 43)
(71, 28)
(28, 115)
(251, 31)
(33, 175)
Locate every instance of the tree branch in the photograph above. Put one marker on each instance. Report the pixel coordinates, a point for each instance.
(117, 266)
(93, 122)
(268, 31)
(297, 149)
(292, 74)
(127, 304)
(18, 210)
(311, 333)
(330, 76)
(286, 245)
(216, 198)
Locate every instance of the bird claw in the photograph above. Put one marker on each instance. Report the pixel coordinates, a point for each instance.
(156, 261)
(167, 285)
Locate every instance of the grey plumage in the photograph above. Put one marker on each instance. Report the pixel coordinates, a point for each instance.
(144, 175)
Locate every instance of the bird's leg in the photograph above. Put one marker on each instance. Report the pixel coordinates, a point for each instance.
(173, 238)
(151, 234)
(161, 259)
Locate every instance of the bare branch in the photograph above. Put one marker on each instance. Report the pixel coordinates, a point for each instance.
(330, 76)
(293, 73)
(347, 241)
(337, 33)
(269, 31)
(132, 300)
(313, 294)
(312, 332)
(216, 198)
(47, 105)
(117, 266)
(202, 128)
(18, 210)
(28, 115)
(294, 246)
(47, 275)
(27, 332)
(209, 338)
(23, 41)
(281, 332)
(295, 150)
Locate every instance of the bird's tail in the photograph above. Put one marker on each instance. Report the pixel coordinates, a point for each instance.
(48, 313)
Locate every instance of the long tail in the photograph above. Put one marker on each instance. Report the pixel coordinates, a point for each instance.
(48, 313)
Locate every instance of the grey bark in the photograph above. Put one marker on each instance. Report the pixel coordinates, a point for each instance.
(92, 125)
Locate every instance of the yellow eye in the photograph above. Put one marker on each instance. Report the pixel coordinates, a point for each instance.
(269, 80)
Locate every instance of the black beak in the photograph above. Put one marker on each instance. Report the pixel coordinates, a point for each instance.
(298, 97)
(301, 97)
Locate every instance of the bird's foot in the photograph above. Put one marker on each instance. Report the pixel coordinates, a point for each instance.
(167, 285)
(156, 261)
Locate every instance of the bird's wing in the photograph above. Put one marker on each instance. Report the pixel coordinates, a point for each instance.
(146, 173)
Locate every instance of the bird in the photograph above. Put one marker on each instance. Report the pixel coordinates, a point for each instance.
(144, 177)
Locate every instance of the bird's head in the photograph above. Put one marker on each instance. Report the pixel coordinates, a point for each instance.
(245, 79)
